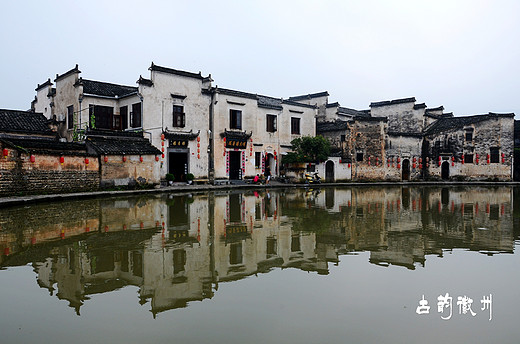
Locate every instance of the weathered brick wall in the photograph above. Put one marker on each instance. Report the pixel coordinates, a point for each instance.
(495, 132)
(116, 172)
(18, 175)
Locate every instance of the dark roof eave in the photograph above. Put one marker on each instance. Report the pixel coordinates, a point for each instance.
(393, 102)
(167, 70)
(310, 96)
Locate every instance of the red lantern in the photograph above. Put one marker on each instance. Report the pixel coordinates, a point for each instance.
(156, 158)
(162, 149)
(420, 166)
(452, 164)
(198, 138)
(413, 159)
(387, 165)
(86, 161)
(140, 158)
(413, 165)
(162, 136)
(224, 139)
(32, 158)
(420, 160)
(124, 158)
(439, 158)
(106, 158)
(5, 152)
(439, 163)
(452, 158)
(198, 156)
(398, 165)
(162, 143)
(62, 160)
(503, 160)
(349, 165)
(398, 159)
(162, 155)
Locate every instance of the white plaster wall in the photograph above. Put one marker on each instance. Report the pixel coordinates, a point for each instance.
(158, 115)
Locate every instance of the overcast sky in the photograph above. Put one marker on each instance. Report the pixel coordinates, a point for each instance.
(463, 54)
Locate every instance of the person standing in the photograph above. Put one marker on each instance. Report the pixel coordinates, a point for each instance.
(267, 175)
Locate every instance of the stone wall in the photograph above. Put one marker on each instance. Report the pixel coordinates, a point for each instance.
(18, 175)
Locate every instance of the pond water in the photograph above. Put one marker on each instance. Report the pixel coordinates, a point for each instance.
(327, 265)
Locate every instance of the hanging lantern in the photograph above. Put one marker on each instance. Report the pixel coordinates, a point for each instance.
(62, 160)
(387, 165)
(124, 158)
(198, 150)
(5, 152)
(452, 164)
(162, 136)
(198, 156)
(349, 165)
(420, 166)
(156, 158)
(86, 161)
(398, 166)
(141, 158)
(224, 139)
(162, 143)
(420, 160)
(413, 165)
(106, 158)
(413, 159)
(398, 159)
(452, 158)
(32, 158)
(162, 155)
(162, 149)
(198, 138)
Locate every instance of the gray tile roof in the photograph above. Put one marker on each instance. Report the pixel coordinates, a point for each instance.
(17, 121)
(270, 103)
(45, 145)
(104, 142)
(106, 89)
(332, 126)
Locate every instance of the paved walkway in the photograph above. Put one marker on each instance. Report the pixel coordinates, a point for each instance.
(183, 188)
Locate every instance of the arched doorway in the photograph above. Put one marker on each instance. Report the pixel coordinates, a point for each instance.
(329, 171)
(445, 170)
(406, 170)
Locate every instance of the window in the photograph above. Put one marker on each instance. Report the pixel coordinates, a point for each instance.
(271, 123)
(495, 155)
(295, 126)
(179, 117)
(135, 116)
(235, 119)
(468, 158)
(258, 160)
(101, 117)
(343, 138)
(123, 112)
(70, 117)
(359, 157)
(469, 136)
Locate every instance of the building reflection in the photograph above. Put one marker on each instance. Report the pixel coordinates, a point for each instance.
(178, 248)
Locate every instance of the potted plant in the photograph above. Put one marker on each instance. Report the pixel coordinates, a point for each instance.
(170, 178)
(190, 177)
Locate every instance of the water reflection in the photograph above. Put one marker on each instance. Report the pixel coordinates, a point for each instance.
(178, 248)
